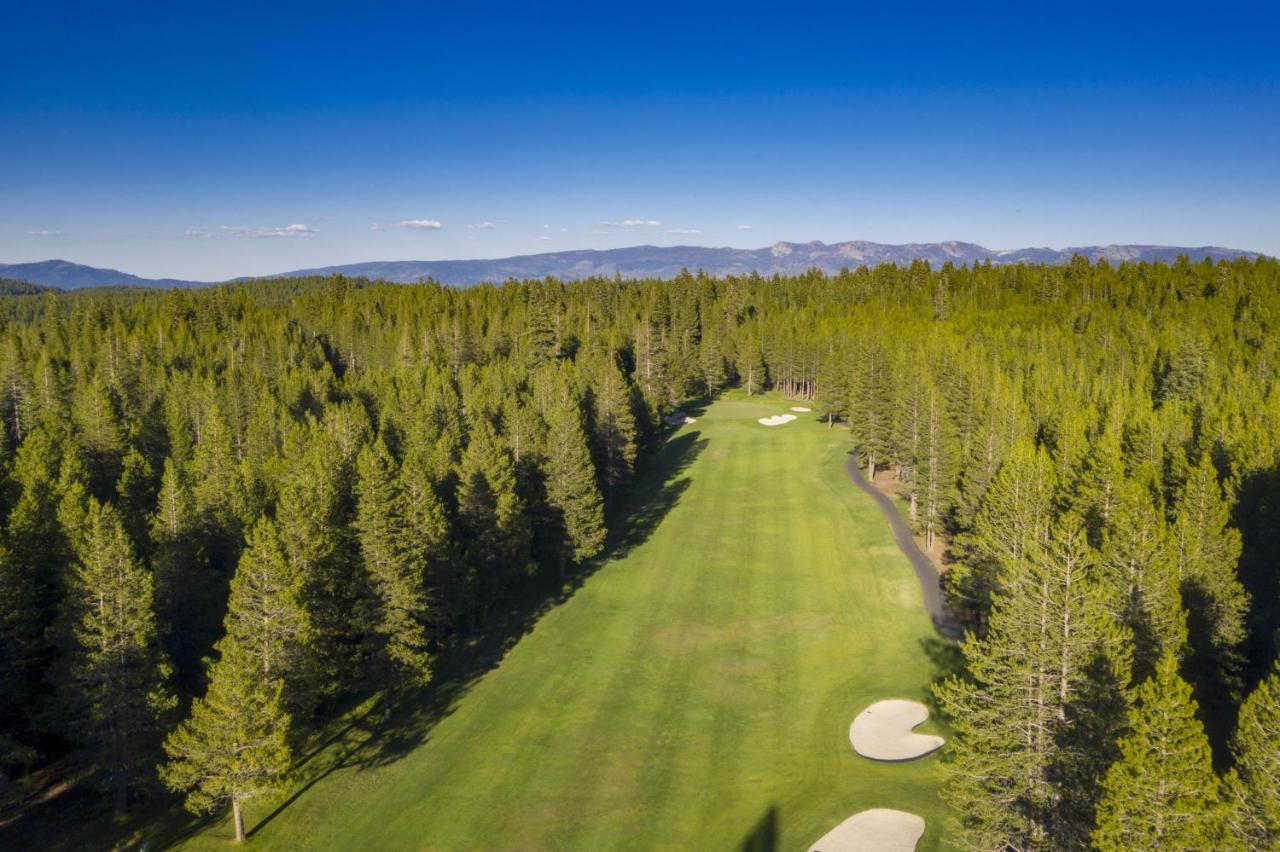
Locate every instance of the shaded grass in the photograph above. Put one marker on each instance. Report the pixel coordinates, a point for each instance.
(694, 692)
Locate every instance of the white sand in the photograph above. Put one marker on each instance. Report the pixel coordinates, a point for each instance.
(801, 409)
(776, 420)
(689, 420)
(876, 830)
(676, 418)
(883, 731)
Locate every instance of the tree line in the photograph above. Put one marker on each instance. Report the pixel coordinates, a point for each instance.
(224, 510)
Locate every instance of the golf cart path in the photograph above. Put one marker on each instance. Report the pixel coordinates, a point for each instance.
(930, 581)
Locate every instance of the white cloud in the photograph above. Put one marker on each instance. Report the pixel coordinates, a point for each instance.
(421, 224)
(633, 223)
(746, 227)
(295, 230)
(44, 232)
(482, 226)
(683, 231)
(546, 238)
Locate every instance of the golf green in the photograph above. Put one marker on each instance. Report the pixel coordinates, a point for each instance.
(695, 692)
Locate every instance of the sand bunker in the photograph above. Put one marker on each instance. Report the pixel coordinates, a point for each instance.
(776, 420)
(883, 731)
(678, 418)
(801, 409)
(876, 830)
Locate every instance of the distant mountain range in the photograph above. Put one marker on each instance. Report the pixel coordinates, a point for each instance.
(649, 262)
(65, 275)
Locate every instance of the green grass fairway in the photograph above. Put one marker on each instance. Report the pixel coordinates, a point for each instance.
(694, 693)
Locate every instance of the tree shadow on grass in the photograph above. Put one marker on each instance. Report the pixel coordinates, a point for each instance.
(763, 836)
(71, 813)
(364, 737)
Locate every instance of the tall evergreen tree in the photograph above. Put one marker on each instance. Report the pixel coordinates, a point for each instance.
(613, 429)
(571, 485)
(234, 747)
(267, 618)
(394, 562)
(1208, 549)
(115, 691)
(752, 370)
(312, 523)
(1015, 516)
(833, 387)
(1253, 786)
(1140, 567)
(1046, 635)
(934, 466)
(870, 418)
(1162, 793)
(493, 533)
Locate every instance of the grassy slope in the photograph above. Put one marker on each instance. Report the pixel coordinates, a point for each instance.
(695, 690)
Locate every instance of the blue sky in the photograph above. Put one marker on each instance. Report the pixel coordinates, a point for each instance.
(239, 139)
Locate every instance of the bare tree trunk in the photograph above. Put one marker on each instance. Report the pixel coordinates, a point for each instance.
(237, 816)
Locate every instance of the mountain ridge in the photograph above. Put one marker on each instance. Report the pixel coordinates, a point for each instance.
(647, 261)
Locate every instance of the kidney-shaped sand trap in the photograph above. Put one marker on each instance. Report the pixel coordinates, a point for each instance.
(776, 420)
(883, 731)
(876, 830)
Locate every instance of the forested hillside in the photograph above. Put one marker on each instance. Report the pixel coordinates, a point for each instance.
(226, 510)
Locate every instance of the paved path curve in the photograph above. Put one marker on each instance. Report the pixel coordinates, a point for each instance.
(930, 581)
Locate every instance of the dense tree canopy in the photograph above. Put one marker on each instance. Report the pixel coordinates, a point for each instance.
(262, 497)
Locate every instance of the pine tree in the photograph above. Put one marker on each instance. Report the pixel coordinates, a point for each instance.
(189, 597)
(1187, 369)
(870, 417)
(19, 661)
(174, 538)
(218, 487)
(1099, 482)
(427, 520)
(833, 387)
(1208, 549)
(752, 372)
(571, 485)
(1253, 786)
(395, 564)
(711, 363)
(934, 466)
(613, 429)
(542, 334)
(1140, 567)
(266, 615)
(1162, 793)
(93, 411)
(1015, 516)
(115, 690)
(135, 497)
(493, 533)
(234, 747)
(1047, 634)
(312, 524)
